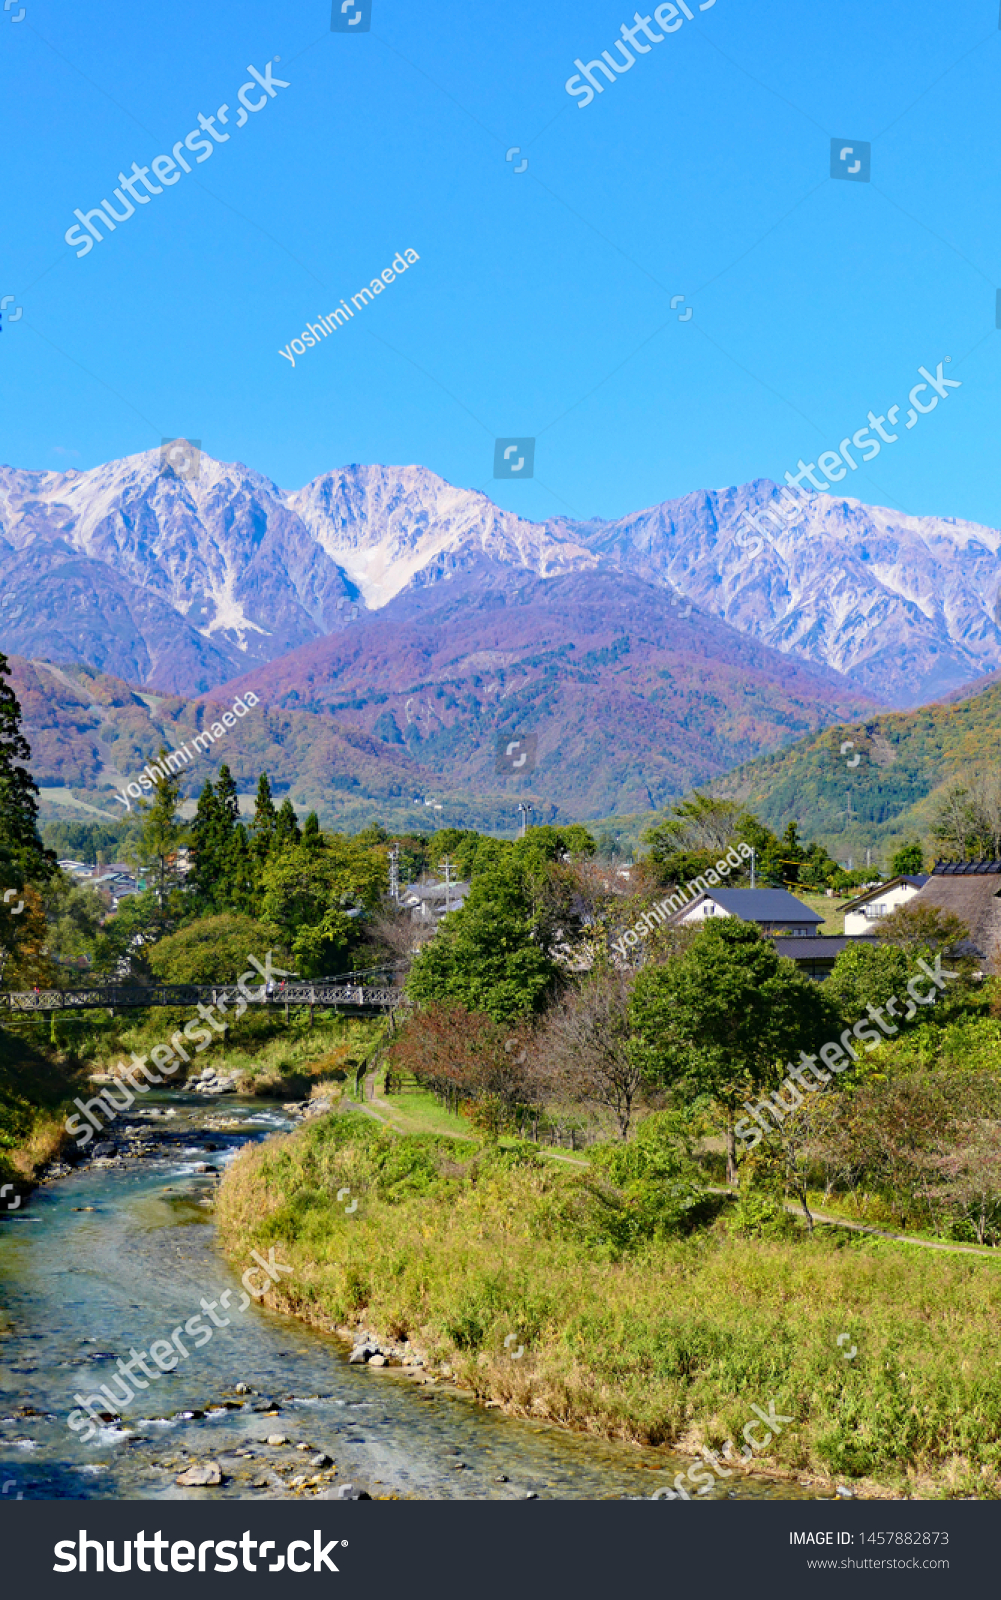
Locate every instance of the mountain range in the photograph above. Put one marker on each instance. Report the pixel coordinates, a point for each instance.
(617, 699)
(184, 583)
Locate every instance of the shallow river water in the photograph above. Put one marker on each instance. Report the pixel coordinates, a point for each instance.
(80, 1288)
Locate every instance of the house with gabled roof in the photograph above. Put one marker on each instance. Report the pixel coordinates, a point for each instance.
(881, 900)
(780, 916)
(776, 911)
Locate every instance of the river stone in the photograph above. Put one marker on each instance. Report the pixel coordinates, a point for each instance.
(276, 1439)
(321, 1461)
(105, 1148)
(377, 1361)
(359, 1356)
(200, 1477)
(344, 1491)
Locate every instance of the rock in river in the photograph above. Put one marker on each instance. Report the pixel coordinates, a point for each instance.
(204, 1476)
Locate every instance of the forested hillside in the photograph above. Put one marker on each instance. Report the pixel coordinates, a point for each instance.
(887, 784)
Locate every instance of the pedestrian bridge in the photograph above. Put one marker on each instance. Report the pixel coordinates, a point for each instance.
(358, 999)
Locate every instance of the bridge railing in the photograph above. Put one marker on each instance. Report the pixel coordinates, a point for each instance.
(115, 997)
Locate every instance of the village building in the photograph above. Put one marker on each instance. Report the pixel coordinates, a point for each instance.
(971, 890)
(780, 916)
(881, 900)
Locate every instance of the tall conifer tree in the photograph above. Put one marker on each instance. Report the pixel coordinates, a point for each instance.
(287, 826)
(162, 835)
(265, 818)
(22, 853)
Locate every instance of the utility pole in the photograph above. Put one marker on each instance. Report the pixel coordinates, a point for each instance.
(394, 873)
(752, 866)
(525, 811)
(446, 867)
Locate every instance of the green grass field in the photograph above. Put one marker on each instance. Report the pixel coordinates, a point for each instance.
(634, 1330)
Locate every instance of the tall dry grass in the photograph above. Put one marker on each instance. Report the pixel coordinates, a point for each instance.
(633, 1330)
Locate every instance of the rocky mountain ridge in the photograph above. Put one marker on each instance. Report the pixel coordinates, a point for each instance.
(183, 583)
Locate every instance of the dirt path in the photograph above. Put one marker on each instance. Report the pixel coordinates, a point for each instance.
(793, 1210)
(879, 1233)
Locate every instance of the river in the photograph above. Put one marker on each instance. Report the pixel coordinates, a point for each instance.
(118, 1254)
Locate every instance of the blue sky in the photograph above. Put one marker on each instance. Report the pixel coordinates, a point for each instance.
(541, 301)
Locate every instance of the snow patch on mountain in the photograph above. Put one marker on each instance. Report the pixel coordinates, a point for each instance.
(186, 583)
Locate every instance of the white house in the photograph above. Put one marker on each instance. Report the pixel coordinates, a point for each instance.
(866, 910)
(776, 911)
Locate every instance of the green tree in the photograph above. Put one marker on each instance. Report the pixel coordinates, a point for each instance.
(920, 928)
(159, 841)
(208, 843)
(23, 857)
(909, 859)
(227, 795)
(226, 871)
(374, 833)
(262, 829)
(211, 950)
(721, 1018)
(548, 845)
(286, 826)
(73, 915)
(84, 841)
(315, 897)
(129, 935)
(488, 956)
(693, 835)
(867, 976)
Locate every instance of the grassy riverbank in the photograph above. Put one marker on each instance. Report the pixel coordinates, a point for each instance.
(36, 1091)
(277, 1058)
(45, 1063)
(643, 1314)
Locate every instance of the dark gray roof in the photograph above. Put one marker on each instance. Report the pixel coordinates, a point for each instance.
(820, 947)
(965, 868)
(764, 905)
